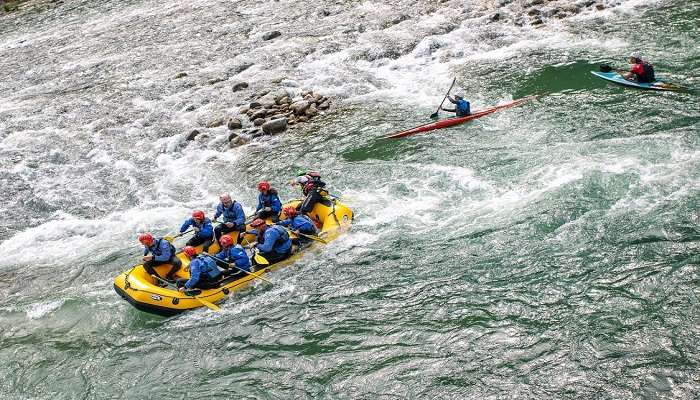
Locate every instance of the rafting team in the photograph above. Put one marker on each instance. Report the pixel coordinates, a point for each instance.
(272, 241)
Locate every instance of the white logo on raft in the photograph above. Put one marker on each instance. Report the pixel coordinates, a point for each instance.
(156, 297)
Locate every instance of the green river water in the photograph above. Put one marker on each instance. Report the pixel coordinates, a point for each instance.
(548, 251)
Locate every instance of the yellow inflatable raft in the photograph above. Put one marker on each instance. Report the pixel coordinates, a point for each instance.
(146, 294)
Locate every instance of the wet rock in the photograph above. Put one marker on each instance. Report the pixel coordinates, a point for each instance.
(571, 8)
(534, 11)
(254, 104)
(180, 75)
(192, 135)
(536, 21)
(496, 17)
(299, 107)
(253, 132)
(191, 107)
(324, 13)
(215, 80)
(268, 100)
(234, 123)
(237, 69)
(262, 113)
(588, 3)
(243, 109)
(258, 121)
(318, 98)
(240, 86)
(284, 100)
(535, 3)
(216, 123)
(324, 105)
(275, 126)
(271, 35)
(599, 7)
(303, 119)
(312, 111)
(237, 141)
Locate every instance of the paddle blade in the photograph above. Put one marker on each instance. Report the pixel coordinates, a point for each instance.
(209, 305)
(260, 259)
(169, 238)
(434, 115)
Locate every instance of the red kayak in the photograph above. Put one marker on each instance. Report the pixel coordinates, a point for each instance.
(445, 123)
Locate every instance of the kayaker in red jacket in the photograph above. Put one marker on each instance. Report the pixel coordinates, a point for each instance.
(640, 72)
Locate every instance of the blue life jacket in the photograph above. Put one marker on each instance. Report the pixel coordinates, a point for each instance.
(300, 223)
(649, 75)
(236, 254)
(161, 249)
(206, 230)
(275, 239)
(202, 268)
(463, 108)
(271, 199)
(233, 214)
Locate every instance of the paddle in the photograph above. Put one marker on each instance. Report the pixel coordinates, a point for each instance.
(240, 269)
(435, 114)
(171, 238)
(208, 304)
(312, 237)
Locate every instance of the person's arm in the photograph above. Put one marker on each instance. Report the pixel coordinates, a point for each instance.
(145, 250)
(270, 239)
(451, 99)
(284, 222)
(448, 109)
(260, 203)
(240, 215)
(219, 211)
(195, 272)
(186, 225)
(276, 204)
(241, 258)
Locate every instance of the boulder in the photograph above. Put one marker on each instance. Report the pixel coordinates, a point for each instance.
(240, 86)
(192, 135)
(324, 105)
(599, 7)
(191, 107)
(215, 80)
(258, 121)
(268, 100)
(284, 100)
(180, 75)
(303, 119)
(261, 113)
(238, 141)
(216, 123)
(495, 17)
(536, 21)
(243, 109)
(275, 126)
(271, 35)
(254, 104)
(234, 123)
(299, 107)
(311, 111)
(534, 11)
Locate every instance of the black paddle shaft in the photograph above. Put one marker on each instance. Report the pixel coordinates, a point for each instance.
(435, 114)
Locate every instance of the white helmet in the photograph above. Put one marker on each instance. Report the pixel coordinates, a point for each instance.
(636, 55)
(459, 95)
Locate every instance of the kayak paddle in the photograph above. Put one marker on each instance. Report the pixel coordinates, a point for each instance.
(435, 114)
(171, 238)
(312, 237)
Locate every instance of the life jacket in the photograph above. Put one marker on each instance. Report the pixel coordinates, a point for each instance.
(267, 199)
(230, 212)
(463, 108)
(283, 235)
(310, 185)
(155, 248)
(649, 75)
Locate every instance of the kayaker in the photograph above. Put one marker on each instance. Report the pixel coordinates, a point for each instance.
(269, 204)
(161, 252)
(204, 274)
(203, 230)
(640, 72)
(300, 223)
(462, 107)
(234, 217)
(273, 242)
(232, 254)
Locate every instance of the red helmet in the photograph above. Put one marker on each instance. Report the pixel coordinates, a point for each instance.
(146, 239)
(190, 251)
(257, 222)
(226, 241)
(264, 186)
(198, 214)
(290, 211)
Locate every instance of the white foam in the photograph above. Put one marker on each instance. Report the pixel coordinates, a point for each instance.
(40, 310)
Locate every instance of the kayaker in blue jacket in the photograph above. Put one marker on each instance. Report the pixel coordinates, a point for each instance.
(161, 252)
(298, 223)
(462, 107)
(273, 242)
(231, 254)
(234, 217)
(204, 274)
(269, 204)
(203, 230)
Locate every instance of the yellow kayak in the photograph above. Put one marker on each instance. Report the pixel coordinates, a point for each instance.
(146, 294)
